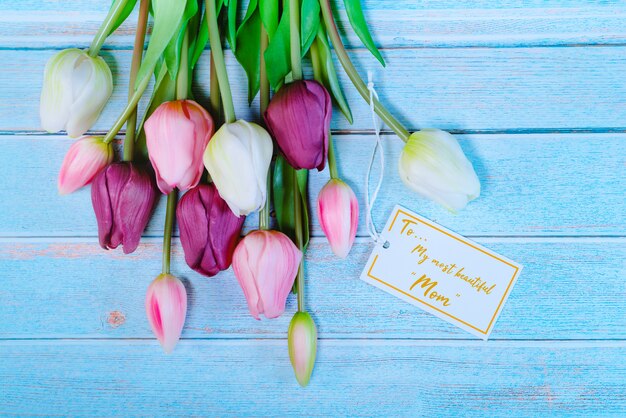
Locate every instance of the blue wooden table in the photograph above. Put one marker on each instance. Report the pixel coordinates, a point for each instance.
(535, 90)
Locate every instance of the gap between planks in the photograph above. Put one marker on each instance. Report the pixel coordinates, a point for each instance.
(487, 239)
(361, 132)
(404, 342)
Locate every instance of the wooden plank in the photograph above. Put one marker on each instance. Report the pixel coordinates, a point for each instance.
(544, 184)
(459, 89)
(351, 378)
(404, 23)
(569, 289)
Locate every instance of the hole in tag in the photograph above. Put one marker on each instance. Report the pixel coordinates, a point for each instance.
(386, 245)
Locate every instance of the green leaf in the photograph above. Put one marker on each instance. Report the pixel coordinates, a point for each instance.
(164, 91)
(168, 15)
(277, 60)
(248, 52)
(197, 46)
(128, 9)
(310, 22)
(231, 33)
(357, 20)
(269, 16)
(283, 190)
(324, 72)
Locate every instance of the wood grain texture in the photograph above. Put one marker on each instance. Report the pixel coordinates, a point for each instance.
(443, 24)
(253, 378)
(537, 90)
(561, 173)
(77, 290)
(453, 88)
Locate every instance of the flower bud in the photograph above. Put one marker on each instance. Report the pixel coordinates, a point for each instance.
(433, 164)
(75, 89)
(85, 158)
(123, 196)
(299, 118)
(302, 341)
(238, 158)
(177, 133)
(209, 230)
(266, 264)
(166, 307)
(338, 213)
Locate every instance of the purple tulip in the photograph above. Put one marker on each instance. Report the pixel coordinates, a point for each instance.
(299, 118)
(209, 230)
(123, 197)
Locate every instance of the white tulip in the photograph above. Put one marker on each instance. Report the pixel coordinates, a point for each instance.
(238, 158)
(433, 164)
(75, 89)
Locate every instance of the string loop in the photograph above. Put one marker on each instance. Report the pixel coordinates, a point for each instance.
(378, 149)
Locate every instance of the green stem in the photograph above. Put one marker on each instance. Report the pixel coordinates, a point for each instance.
(264, 87)
(264, 213)
(167, 232)
(214, 93)
(130, 108)
(264, 96)
(297, 218)
(140, 37)
(316, 62)
(332, 163)
(182, 79)
(103, 32)
(220, 65)
(294, 38)
(353, 74)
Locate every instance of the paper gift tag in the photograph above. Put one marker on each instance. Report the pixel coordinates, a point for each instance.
(441, 272)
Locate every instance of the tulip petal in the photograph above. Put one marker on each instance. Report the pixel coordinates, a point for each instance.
(302, 342)
(123, 196)
(166, 308)
(134, 207)
(177, 132)
(338, 213)
(209, 231)
(56, 92)
(238, 158)
(93, 85)
(265, 264)
(76, 88)
(433, 164)
(85, 158)
(299, 118)
(101, 202)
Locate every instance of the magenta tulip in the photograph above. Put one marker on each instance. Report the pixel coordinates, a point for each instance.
(85, 158)
(209, 230)
(166, 307)
(266, 264)
(176, 135)
(302, 342)
(299, 118)
(123, 196)
(338, 213)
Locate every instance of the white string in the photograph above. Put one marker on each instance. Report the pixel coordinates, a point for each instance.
(369, 202)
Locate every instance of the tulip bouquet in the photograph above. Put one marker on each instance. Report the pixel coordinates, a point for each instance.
(226, 167)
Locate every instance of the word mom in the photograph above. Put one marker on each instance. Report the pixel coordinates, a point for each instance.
(429, 286)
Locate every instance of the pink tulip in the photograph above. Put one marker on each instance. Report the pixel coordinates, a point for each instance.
(85, 158)
(176, 135)
(166, 307)
(266, 264)
(302, 342)
(338, 212)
